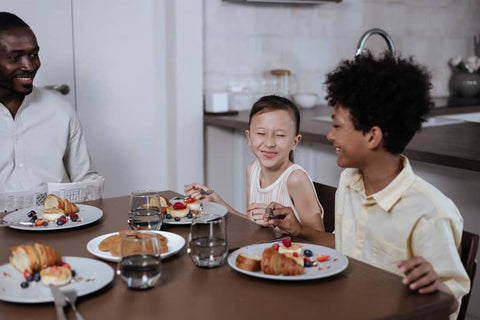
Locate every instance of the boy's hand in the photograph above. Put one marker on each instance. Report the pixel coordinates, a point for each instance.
(289, 224)
(419, 275)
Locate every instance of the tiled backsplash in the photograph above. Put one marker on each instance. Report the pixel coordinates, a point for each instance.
(244, 41)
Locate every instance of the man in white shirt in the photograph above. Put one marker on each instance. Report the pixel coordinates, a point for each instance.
(41, 138)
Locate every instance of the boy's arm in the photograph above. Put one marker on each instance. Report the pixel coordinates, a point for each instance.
(420, 275)
(289, 224)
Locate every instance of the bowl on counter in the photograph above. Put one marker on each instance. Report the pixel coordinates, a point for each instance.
(305, 100)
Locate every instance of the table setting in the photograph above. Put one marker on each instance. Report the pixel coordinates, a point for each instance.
(132, 263)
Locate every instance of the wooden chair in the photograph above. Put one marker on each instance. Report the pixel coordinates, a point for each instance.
(468, 249)
(326, 196)
(468, 254)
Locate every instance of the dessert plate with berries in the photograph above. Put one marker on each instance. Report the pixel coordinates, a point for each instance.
(31, 219)
(316, 261)
(88, 275)
(181, 211)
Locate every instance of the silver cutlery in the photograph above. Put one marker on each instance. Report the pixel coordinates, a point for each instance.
(71, 297)
(206, 192)
(60, 302)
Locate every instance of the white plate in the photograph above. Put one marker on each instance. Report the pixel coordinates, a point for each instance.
(87, 214)
(336, 264)
(208, 207)
(91, 275)
(175, 243)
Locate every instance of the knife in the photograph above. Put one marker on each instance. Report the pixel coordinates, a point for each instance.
(60, 302)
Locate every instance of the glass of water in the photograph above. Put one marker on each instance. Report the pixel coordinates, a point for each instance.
(207, 241)
(140, 263)
(145, 211)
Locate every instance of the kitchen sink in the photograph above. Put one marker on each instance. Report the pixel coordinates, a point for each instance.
(431, 122)
(470, 117)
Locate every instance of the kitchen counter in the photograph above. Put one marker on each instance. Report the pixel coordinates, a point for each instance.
(454, 145)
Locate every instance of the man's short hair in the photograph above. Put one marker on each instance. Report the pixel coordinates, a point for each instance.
(389, 92)
(9, 21)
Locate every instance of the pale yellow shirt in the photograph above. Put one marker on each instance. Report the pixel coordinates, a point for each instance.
(409, 217)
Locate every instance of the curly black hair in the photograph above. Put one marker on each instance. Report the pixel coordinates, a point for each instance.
(389, 92)
(9, 21)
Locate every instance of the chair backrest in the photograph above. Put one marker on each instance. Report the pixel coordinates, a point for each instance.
(468, 253)
(326, 196)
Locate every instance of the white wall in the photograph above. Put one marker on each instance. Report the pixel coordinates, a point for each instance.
(139, 84)
(246, 40)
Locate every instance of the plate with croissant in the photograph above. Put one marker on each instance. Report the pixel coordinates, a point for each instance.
(55, 214)
(288, 261)
(107, 246)
(43, 266)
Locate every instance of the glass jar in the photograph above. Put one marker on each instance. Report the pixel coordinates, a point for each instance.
(283, 82)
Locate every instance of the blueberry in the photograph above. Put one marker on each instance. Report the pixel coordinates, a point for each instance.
(36, 276)
(24, 284)
(59, 222)
(31, 213)
(74, 219)
(308, 253)
(168, 216)
(74, 273)
(45, 223)
(177, 218)
(33, 219)
(189, 215)
(30, 277)
(307, 263)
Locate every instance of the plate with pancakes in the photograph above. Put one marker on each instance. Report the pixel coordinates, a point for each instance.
(262, 260)
(21, 220)
(90, 275)
(107, 246)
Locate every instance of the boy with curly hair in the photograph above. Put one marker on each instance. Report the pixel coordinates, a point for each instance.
(385, 214)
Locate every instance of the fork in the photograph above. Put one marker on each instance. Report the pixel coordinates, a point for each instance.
(71, 297)
(206, 192)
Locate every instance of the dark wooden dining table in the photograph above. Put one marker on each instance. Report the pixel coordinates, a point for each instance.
(185, 291)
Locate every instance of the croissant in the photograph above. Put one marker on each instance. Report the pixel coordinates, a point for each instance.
(53, 201)
(278, 263)
(32, 258)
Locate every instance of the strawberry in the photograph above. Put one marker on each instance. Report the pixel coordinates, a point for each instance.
(39, 222)
(275, 246)
(323, 257)
(25, 274)
(189, 200)
(179, 205)
(295, 254)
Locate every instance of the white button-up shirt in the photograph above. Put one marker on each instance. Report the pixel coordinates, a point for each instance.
(44, 143)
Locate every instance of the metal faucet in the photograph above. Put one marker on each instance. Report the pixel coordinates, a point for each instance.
(371, 32)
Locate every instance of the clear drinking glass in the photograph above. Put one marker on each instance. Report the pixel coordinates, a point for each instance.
(145, 212)
(140, 263)
(207, 242)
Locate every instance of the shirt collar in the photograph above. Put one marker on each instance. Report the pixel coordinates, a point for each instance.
(392, 193)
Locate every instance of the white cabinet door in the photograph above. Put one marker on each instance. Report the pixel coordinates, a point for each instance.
(51, 21)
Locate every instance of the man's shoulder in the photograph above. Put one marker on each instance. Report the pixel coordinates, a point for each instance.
(49, 101)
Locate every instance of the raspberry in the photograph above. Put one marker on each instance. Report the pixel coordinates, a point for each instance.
(287, 242)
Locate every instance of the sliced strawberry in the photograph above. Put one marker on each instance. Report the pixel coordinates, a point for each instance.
(275, 246)
(64, 264)
(189, 200)
(295, 254)
(25, 274)
(179, 205)
(323, 257)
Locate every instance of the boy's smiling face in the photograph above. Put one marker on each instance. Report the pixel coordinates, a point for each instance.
(351, 145)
